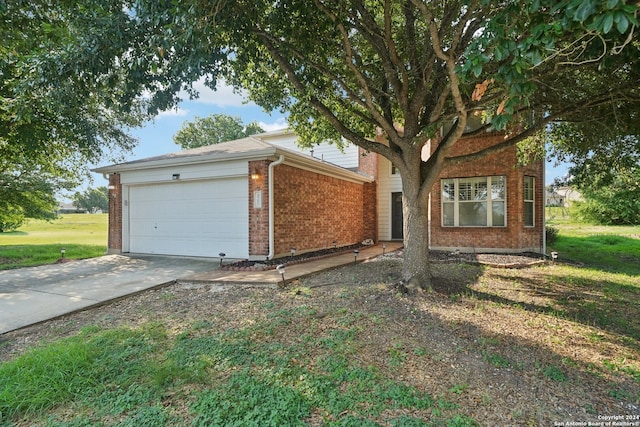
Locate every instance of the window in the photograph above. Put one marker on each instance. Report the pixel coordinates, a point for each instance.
(474, 202)
(529, 201)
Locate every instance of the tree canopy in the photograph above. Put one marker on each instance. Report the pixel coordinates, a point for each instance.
(613, 199)
(214, 129)
(28, 186)
(25, 193)
(605, 159)
(343, 69)
(92, 199)
(56, 117)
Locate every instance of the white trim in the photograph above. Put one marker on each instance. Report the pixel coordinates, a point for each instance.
(187, 160)
(390, 210)
(532, 201)
(387, 184)
(311, 164)
(263, 151)
(277, 132)
(126, 206)
(489, 202)
(271, 207)
(429, 217)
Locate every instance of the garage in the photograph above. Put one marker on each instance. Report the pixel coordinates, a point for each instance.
(189, 218)
(247, 198)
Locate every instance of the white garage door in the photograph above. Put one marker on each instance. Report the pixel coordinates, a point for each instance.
(192, 218)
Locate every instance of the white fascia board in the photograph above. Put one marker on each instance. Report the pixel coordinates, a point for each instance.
(187, 160)
(278, 132)
(293, 158)
(312, 164)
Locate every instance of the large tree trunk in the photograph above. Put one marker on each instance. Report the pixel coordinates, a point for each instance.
(416, 271)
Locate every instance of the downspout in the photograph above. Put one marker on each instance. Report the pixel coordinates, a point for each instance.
(544, 208)
(271, 209)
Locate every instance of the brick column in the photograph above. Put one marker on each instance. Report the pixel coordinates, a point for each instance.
(114, 245)
(368, 163)
(258, 208)
(370, 210)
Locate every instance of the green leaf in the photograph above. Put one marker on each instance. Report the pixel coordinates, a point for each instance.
(597, 24)
(631, 17)
(622, 23)
(612, 3)
(536, 57)
(535, 6)
(584, 11)
(607, 23)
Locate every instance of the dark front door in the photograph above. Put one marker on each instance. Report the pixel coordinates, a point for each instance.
(396, 216)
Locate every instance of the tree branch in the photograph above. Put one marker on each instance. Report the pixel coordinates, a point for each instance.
(325, 111)
(578, 107)
(395, 58)
(449, 61)
(362, 80)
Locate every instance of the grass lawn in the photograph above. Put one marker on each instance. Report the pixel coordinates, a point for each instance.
(610, 248)
(542, 345)
(39, 242)
(533, 346)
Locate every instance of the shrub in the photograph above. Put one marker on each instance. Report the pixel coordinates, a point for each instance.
(609, 211)
(551, 234)
(612, 201)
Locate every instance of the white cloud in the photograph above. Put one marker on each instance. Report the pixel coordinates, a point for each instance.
(223, 96)
(174, 112)
(280, 123)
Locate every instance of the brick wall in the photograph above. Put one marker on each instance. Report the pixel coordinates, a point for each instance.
(370, 211)
(368, 163)
(259, 215)
(313, 210)
(114, 244)
(515, 236)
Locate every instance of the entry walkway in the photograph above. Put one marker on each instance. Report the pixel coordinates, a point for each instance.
(294, 271)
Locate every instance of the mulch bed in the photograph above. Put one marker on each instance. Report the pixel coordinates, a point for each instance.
(271, 264)
(493, 260)
(520, 260)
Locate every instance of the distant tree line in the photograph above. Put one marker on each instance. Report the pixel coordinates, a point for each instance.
(92, 200)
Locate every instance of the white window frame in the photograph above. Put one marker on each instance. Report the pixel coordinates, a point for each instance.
(456, 202)
(529, 202)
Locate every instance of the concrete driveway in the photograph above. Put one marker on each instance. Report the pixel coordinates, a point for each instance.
(31, 295)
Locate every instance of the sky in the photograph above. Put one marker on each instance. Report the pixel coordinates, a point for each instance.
(156, 138)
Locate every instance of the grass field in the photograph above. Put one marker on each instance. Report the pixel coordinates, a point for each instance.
(609, 248)
(40, 242)
(534, 346)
